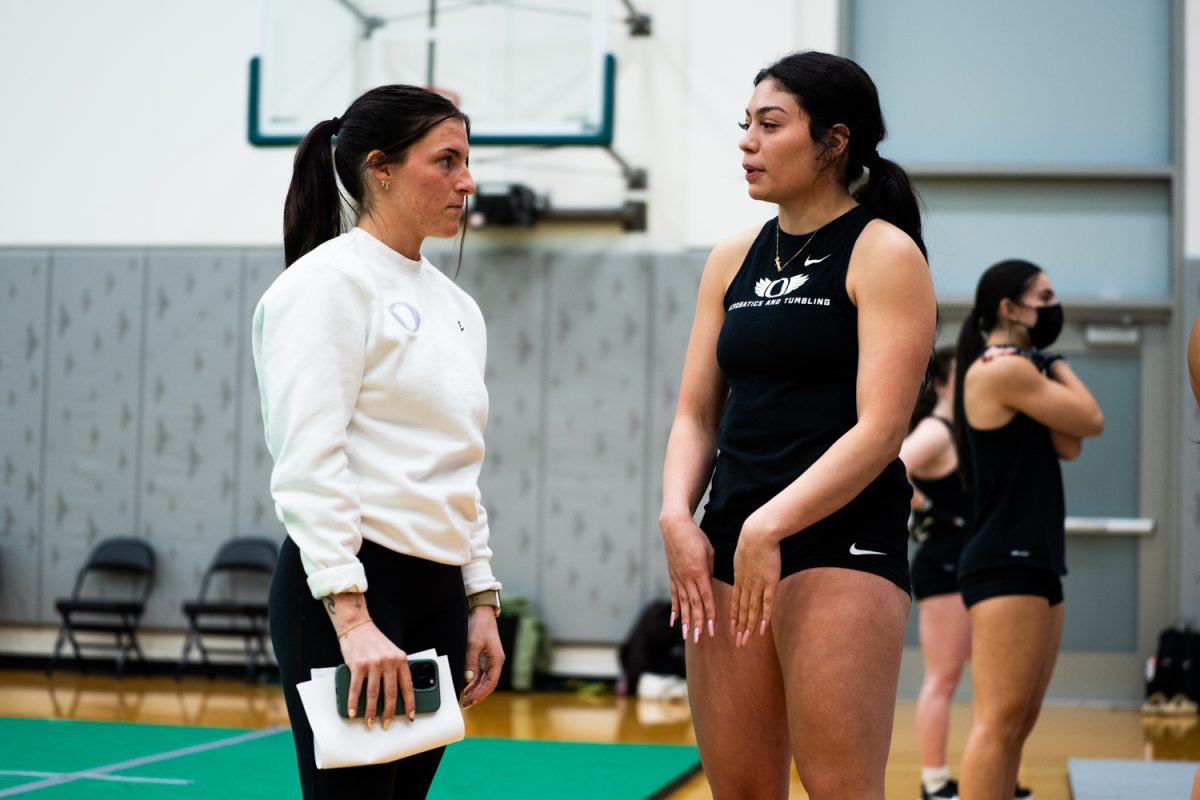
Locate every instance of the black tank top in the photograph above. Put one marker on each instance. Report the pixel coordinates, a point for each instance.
(789, 352)
(1019, 507)
(947, 497)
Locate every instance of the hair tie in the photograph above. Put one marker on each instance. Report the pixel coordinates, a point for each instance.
(873, 158)
(337, 124)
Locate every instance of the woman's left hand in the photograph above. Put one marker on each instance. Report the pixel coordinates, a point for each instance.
(756, 566)
(485, 656)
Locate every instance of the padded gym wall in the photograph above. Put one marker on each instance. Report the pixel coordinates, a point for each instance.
(131, 406)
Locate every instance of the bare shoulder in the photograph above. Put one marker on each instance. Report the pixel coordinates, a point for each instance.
(884, 247)
(932, 429)
(887, 264)
(727, 256)
(1010, 372)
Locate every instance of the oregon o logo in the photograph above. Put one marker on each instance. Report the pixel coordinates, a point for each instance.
(407, 315)
(765, 287)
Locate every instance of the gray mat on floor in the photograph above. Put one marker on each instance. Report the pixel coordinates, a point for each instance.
(1118, 779)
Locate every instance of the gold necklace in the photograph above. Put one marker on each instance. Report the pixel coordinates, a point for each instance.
(779, 267)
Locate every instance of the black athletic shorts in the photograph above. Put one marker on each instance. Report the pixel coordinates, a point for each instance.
(1010, 580)
(935, 565)
(825, 546)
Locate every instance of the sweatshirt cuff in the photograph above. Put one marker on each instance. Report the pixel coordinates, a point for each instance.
(477, 577)
(334, 580)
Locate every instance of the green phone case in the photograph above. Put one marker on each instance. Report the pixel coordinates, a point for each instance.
(426, 690)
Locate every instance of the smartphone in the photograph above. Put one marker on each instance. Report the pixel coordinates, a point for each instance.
(426, 691)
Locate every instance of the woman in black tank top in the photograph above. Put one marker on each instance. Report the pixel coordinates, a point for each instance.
(1019, 410)
(941, 512)
(811, 336)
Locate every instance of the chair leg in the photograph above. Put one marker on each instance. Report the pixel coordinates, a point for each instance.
(75, 647)
(250, 660)
(59, 642)
(183, 657)
(136, 648)
(120, 656)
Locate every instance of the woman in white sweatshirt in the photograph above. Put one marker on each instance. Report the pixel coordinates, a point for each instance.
(370, 367)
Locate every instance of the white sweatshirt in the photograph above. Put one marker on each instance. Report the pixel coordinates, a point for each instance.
(370, 368)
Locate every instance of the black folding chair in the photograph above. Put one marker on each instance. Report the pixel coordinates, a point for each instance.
(109, 597)
(245, 564)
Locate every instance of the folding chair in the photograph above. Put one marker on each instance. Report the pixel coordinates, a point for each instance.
(118, 575)
(244, 563)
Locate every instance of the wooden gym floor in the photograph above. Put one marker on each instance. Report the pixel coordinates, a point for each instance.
(1062, 732)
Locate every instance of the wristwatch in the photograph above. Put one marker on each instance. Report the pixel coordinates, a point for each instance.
(489, 597)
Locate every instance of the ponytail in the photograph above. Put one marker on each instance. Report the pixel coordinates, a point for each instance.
(312, 212)
(888, 193)
(970, 343)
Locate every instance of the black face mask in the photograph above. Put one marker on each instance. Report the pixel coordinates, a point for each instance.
(1045, 331)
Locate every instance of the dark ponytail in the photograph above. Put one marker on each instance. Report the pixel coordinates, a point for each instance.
(1008, 279)
(889, 193)
(312, 212)
(832, 90)
(389, 119)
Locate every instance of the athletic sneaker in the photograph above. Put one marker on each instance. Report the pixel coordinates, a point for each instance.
(949, 791)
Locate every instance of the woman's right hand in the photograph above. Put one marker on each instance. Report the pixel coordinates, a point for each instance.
(373, 656)
(690, 565)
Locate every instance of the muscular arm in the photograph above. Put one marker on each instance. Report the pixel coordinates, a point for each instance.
(692, 446)
(996, 390)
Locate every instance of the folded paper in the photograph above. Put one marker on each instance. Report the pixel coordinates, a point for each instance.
(339, 742)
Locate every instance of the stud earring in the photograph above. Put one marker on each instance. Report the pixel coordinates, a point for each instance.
(387, 185)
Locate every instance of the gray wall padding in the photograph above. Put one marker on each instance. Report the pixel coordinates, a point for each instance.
(149, 424)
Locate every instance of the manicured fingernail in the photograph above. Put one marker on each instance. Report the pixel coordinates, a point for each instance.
(672, 623)
(685, 631)
(470, 675)
(370, 722)
(696, 635)
(762, 628)
(412, 716)
(387, 723)
(711, 629)
(351, 713)
(746, 637)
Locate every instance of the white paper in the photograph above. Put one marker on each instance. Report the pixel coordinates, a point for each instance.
(339, 742)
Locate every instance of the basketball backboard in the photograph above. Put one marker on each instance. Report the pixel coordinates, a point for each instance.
(526, 72)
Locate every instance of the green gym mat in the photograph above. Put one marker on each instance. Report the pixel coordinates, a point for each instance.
(68, 760)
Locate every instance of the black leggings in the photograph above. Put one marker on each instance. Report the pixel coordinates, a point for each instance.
(417, 604)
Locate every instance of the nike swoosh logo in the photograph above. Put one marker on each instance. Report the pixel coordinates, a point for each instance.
(809, 260)
(854, 551)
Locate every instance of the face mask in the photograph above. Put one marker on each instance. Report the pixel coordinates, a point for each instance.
(1049, 325)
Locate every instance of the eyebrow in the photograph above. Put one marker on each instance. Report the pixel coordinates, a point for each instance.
(765, 109)
(454, 151)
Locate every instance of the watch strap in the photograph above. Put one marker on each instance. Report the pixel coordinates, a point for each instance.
(488, 597)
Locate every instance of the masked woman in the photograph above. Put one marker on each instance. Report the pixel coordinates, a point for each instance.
(1019, 410)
